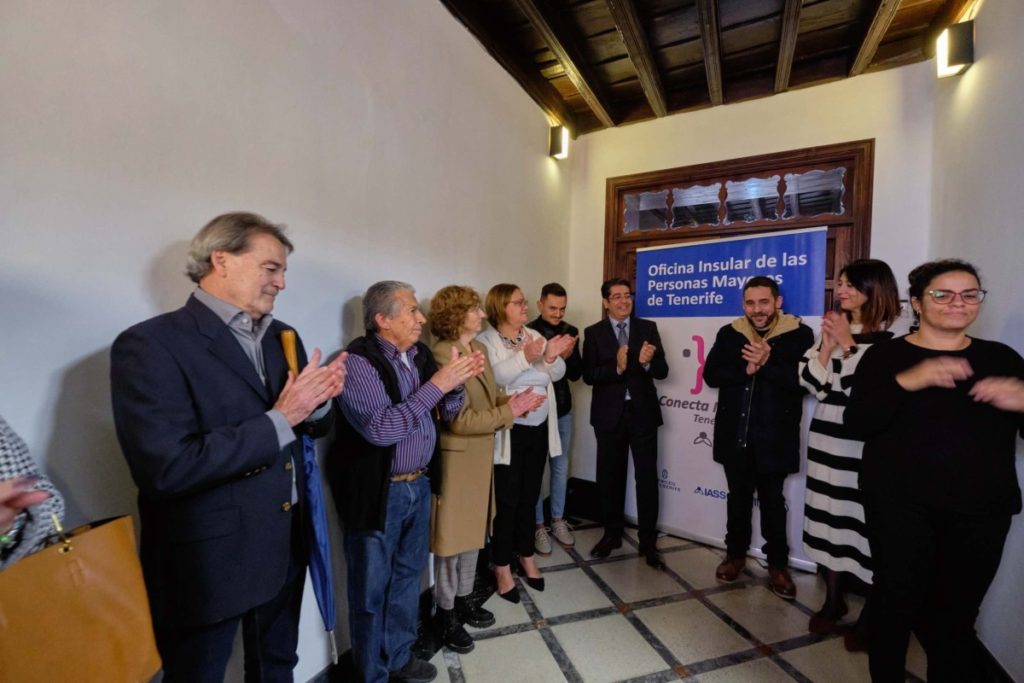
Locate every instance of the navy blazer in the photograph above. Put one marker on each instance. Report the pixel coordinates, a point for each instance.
(214, 488)
(600, 348)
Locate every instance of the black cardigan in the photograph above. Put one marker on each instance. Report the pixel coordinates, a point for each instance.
(358, 471)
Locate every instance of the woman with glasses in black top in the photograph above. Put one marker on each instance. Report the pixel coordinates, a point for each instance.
(939, 412)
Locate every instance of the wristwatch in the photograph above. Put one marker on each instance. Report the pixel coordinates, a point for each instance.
(849, 351)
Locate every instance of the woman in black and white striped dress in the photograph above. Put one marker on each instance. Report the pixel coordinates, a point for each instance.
(834, 533)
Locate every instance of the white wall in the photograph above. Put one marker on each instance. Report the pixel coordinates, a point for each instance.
(893, 107)
(978, 181)
(380, 132)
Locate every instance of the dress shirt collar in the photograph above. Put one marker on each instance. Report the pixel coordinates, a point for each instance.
(233, 316)
(392, 353)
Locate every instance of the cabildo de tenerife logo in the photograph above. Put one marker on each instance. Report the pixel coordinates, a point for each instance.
(667, 483)
(708, 492)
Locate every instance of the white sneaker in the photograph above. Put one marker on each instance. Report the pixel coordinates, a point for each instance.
(541, 542)
(561, 530)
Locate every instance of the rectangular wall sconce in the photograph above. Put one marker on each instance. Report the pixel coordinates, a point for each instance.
(954, 50)
(558, 142)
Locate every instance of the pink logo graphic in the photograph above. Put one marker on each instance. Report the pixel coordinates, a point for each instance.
(698, 380)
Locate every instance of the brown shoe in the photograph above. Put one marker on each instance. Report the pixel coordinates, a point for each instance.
(730, 569)
(782, 583)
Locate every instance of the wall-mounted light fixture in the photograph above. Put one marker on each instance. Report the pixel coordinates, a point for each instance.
(954, 50)
(558, 142)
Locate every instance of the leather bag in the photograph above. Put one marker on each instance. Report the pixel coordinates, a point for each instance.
(77, 610)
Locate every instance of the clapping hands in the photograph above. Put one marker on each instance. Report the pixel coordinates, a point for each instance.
(525, 402)
(756, 354)
(456, 372)
(559, 345)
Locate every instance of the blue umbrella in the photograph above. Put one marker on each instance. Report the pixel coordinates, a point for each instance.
(320, 573)
(319, 546)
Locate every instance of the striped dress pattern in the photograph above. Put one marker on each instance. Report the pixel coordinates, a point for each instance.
(834, 533)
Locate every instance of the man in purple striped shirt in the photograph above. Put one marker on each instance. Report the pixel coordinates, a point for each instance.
(394, 393)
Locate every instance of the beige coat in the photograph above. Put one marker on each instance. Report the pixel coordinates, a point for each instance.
(461, 514)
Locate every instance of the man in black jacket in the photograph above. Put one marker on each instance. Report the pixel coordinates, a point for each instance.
(550, 323)
(753, 363)
(622, 356)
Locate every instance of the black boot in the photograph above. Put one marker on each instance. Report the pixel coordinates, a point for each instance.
(451, 633)
(472, 614)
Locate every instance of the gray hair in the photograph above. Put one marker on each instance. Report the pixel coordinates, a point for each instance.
(380, 299)
(228, 232)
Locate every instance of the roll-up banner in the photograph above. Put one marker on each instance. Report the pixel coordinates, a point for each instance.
(691, 290)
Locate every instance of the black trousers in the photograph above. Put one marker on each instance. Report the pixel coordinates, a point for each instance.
(932, 569)
(270, 632)
(516, 488)
(613, 447)
(743, 481)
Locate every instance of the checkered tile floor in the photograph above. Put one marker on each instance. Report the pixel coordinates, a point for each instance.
(617, 619)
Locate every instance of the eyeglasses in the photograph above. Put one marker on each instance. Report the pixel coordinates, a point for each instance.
(971, 297)
(520, 302)
(620, 297)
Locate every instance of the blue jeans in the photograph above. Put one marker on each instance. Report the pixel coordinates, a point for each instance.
(384, 571)
(559, 473)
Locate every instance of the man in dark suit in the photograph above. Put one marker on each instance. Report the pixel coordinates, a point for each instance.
(622, 356)
(209, 419)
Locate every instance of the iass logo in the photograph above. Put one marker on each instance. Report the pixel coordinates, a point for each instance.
(667, 483)
(711, 493)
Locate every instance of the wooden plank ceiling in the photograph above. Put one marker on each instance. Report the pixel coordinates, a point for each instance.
(595, 64)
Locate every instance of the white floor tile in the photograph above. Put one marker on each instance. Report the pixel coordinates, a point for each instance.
(664, 540)
(692, 632)
(515, 657)
(696, 566)
(829, 661)
(505, 613)
(757, 671)
(557, 556)
(607, 649)
(633, 580)
(567, 592)
(768, 617)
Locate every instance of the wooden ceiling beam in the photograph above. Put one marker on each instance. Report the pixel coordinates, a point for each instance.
(787, 44)
(883, 16)
(627, 21)
(553, 32)
(707, 17)
(495, 40)
(952, 12)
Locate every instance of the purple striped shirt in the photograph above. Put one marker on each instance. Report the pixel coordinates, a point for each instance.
(408, 425)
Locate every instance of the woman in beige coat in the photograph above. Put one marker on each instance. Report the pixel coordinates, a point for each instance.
(462, 511)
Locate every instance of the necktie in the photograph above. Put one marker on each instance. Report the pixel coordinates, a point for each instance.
(623, 338)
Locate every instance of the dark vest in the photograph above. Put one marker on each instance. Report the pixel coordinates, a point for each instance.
(359, 472)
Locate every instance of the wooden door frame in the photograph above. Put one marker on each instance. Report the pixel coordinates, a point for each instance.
(858, 156)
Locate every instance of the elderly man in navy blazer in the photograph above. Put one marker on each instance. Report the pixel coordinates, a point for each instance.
(622, 356)
(209, 419)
